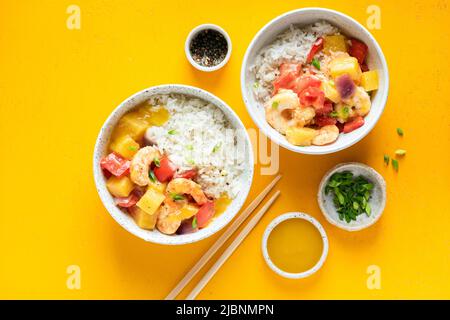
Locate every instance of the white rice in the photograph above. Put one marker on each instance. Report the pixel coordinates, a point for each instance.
(293, 45)
(201, 138)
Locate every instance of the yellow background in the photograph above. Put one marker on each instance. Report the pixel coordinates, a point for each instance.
(57, 86)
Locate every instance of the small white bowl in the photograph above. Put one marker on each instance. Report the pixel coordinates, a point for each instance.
(193, 33)
(277, 221)
(124, 219)
(377, 200)
(302, 17)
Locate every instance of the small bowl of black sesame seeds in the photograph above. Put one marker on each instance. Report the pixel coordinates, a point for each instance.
(208, 47)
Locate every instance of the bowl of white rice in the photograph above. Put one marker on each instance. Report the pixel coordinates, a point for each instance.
(289, 37)
(210, 137)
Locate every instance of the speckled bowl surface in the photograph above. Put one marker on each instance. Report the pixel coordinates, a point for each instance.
(377, 200)
(277, 221)
(124, 219)
(302, 17)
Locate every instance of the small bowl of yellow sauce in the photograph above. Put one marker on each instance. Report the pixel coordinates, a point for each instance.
(295, 245)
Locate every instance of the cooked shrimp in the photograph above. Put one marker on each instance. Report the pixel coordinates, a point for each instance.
(284, 99)
(361, 101)
(280, 110)
(186, 186)
(167, 218)
(140, 165)
(326, 135)
(304, 115)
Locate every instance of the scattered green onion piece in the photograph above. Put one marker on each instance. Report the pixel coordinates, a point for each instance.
(386, 159)
(334, 114)
(157, 162)
(275, 105)
(152, 176)
(194, 223)
(190, 147)
(256, 85)
(400, 132)
(395, 164)
(172, 132)
(176, 196)
(346, 112)
(316, 63)
(132, 148)
(400, 152)
(216, 148)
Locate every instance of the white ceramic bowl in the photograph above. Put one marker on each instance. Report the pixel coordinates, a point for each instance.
(277, 221)
(377, 201)
(193, 33)
(124, 219)
(348, 26)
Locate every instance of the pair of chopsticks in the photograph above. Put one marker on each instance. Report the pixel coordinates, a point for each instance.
(224, 237)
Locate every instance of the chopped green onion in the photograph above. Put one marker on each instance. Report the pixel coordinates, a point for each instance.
(275, 105)
(152, 176)
(194, 223)
(176, 196)
(351, 195)
(368, 209)
(334, 114)
(400, 152)
(216, 148)
(400, 132)
(190, 147)
(190, 161)
(172, 132)
(256, 85)
(346, 112)
(157, 162)
(316, 63)
(395, 164)
(132, 148)
(386, 159)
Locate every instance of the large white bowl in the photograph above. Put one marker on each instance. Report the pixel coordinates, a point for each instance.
(349, 27)
(124, 219)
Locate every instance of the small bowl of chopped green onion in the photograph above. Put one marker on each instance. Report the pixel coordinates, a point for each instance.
(352, 196)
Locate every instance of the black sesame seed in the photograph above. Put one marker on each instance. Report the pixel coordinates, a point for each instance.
(208, 48)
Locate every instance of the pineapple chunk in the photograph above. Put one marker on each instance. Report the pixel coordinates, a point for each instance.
(334, 43)
(157, 186)
(119, 186)
(143, 219)
(154, 115)
(343, 65)
(125, 146)
(133, 124)
(329, 89)
(188, 211)
(150, 201)
(369, 80)
(300, 136)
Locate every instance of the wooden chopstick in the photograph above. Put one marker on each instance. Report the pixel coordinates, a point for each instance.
(224, 237)
(227, 253)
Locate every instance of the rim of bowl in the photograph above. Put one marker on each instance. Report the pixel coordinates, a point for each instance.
(194, 32)
(378, 180)
(277, 221)
(116, 213)
(283, 142)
